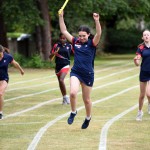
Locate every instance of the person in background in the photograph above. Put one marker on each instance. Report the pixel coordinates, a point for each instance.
(82, 72)
(143, 52)
(62, 51)
(5, 60)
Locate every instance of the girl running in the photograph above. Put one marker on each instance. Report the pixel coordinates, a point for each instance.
(143, 52)
(82, 72)
(62, 51)
(5, 60)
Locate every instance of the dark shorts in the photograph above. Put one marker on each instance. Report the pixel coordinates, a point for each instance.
(87, 79)
(7, 80)
(59, 67)
(144, 76)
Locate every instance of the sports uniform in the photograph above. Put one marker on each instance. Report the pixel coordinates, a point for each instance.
(62, 59)
(84, 54)
(144, 51)
(6, 60)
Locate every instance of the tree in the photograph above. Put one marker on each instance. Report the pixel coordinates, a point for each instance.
(3, 37)
(44, 32)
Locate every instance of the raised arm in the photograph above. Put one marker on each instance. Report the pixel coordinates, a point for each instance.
(97, 36)
(63, 28)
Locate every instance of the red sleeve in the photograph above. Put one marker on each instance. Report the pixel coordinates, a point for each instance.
(54, 48)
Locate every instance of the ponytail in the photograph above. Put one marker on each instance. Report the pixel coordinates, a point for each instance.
(4, 49)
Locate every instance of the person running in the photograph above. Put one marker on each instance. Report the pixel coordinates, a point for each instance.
(5, 60)
(62, 50)
(143, 52)
(82, 72)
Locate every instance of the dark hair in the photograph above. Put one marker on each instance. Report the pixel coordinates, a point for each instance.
(87, 30)
(60, 34)
(1, 48)
(4, 49)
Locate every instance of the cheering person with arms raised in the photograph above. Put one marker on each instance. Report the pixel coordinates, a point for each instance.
(82, 72)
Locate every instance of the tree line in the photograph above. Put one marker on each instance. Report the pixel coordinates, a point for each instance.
(40, 18)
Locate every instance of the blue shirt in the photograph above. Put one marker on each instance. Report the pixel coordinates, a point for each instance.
(63, 56)
(144, 51)
(84, 54)
(6, 60)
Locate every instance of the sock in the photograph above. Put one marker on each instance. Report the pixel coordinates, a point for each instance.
(140, 111)
(65, 96)
(1, 112)
(88, 118)
(74, 112)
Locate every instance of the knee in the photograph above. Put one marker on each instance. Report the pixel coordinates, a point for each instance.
(61, 80)
(142, 96)
(73, 95)
(87, 102)
(148, 95)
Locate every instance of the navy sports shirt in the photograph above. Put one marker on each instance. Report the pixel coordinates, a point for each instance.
(144, 51)
(6, 60)
(63, 56)
(84, 54)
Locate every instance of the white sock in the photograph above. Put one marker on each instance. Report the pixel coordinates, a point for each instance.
(65, 96)
(74, 112)
(1, 112)
(88, 118)
(140, 111)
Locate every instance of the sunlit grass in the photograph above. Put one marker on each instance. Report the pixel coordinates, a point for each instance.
(17, 132)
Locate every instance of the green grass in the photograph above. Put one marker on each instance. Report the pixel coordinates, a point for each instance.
(112, 75)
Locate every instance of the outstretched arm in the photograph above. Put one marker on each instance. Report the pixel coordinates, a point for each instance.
(63, 28)
(97, 36)
(16, 65)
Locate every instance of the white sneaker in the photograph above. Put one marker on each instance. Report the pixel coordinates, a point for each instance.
(139, 116)
(149, 108)
(66, 100)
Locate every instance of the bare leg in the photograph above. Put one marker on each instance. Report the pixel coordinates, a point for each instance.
(86, 91)
(148, 91)
(74, 88)
(3, 86)
(142, 94)
(62, 83)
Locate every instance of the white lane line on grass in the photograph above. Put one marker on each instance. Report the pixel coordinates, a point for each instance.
(37, 93)
(103, 136)
(28, 95)
(42, 130)
(32, 80)
(53, 100)
(37, 85)
(20, 123)
(112, 74)
(31, 108)
(109, 68)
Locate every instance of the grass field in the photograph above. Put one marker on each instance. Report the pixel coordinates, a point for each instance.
(34, 117)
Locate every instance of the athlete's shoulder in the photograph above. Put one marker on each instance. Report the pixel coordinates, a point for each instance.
(141, 46)
(7, 55)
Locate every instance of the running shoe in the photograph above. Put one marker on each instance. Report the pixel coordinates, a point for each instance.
(85, 124)
(71, 117)
(66, 100)
(139, 116)
(1, 116)
(149, 108)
